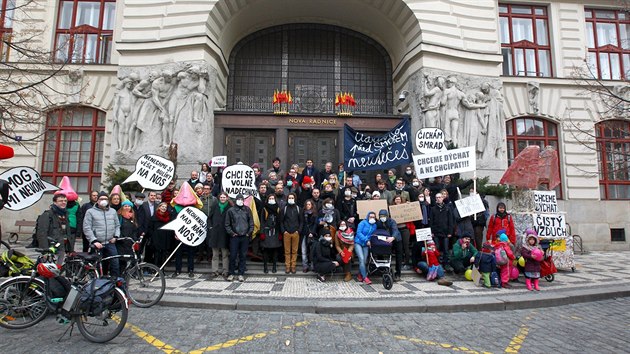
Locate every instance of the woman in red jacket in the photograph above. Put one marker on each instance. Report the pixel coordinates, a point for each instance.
(501, 221)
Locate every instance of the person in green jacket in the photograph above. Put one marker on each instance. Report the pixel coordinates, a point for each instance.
(463, 254)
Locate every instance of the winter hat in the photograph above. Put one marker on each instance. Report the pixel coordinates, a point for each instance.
(307, 180)
(103, 194)
(239, 196)
(383, 212)
(503, 238)
(531, 232)
(375, 193)
(430, 243)
(256, 165)
(126, 202)
(467, 234)
(502, 231)
(140, 195)
(487, 247)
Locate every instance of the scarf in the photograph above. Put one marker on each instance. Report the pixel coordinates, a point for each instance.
(61, 212)
(346, 236)
(222, 206)
(329, 214)
(162, 216)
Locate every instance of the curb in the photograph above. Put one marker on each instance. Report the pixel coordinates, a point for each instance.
(432, 305)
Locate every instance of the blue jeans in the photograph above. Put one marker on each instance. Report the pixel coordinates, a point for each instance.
(109, 249)
(238, 249)
(362, 254)
(191, 258)
(424, 267)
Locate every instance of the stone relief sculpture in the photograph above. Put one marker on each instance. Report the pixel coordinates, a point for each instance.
(468, 109)
(156, 107)
(533, 88)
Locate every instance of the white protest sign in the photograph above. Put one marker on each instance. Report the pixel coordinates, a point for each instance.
(26, 187)
(545, 202)
(470, 205)
(445, 162)
(423, 235)
(430, 140)
(189, 226)
(550, 225)
(239, 179)
(152, 172)
(218, 161)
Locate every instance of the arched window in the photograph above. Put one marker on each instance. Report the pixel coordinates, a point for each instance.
(613, 152)
(73, 147)
(521, 132)
(313, 62)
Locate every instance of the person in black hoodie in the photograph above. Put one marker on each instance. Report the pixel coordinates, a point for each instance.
(323, 257)
(270, 233)
(291, 220)
(308, 233)
(442, 226)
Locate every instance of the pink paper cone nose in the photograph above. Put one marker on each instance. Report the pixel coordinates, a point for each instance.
(118, 190)
(187, 197)
(66, 188)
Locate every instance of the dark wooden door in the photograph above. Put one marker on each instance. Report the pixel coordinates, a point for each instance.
(320, 146)
(250, 146)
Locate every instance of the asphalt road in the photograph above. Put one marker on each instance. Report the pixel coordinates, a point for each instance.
(596, 327)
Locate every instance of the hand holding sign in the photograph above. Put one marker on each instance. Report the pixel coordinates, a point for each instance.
(26, 187)
(152, 172)
(189, 226)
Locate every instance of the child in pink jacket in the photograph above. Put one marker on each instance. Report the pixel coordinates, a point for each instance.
(505, 270)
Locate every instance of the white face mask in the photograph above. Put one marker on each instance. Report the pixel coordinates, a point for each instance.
(347, 193)
(139, 202)
(416, 184)
(342, 228)
(421, 199)
(329, 206)
(291, 201)
(328, 238)
(102, 203)
(372, 221)
(383, 219)
(239, 202)
(408, 172)
(272, 202)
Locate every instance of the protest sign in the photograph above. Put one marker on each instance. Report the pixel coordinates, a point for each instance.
(218, 161)
(405, 212)
(423, 235)
(445, 162)
(26, 187)
(152, 172)
(366, 152)
(558, 245)
(239, 179)
(189, 226)
(551, 226)
(430, 140)
(470, 205)
(545, 202)
(365, 206)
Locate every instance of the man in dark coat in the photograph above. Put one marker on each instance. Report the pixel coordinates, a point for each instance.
(53, 224)
(442, 224)
(239, 224)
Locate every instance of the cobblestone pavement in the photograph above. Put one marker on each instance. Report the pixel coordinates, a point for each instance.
(596, 327)
(593, 270)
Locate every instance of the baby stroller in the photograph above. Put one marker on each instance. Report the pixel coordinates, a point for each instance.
(547, 267)
(381, 257)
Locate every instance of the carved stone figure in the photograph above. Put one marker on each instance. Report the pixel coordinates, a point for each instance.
(451, 99)
(533, 88)
(141, 93)
(496, 122)
(433, 105)
(122, 110)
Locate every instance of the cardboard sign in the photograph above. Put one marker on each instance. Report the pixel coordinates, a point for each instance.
(189, 226)
(239, 179)
(430, 140)
(545, 202)
(26, 187)
(470, 205)
(366, 206)
(550, 226)
(405, 212)
(423, 235)
(445, 162)
(152, 172)
(218, 161)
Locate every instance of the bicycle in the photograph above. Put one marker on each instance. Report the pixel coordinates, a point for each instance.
(146, 282)
(26, 300)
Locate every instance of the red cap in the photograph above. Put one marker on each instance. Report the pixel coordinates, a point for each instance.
(307, 180)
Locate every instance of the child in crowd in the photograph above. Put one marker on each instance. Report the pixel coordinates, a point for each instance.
(430, 264)
(486, 263)
(344, 243)
(505, 265)
(533, 255)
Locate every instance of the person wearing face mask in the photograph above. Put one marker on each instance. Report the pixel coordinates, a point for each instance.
(323, 257)
(306, 191)
(270, 233)
(442, 224)
(218, 238)
(53, 223)
(389, 224)
(101, 227)
(348, 206)
(309, 230)
(329, 216)
(409, 175)
(239, 224)
(344, 243)
(291, 221)
(414, 189)
(365, 230)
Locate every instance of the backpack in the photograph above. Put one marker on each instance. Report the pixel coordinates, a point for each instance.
(501, 256)
(495, 280)
(97, 295)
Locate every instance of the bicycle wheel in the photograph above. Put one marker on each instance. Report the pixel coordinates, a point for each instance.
(106, 325)
(145, 284)
(22, 303)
